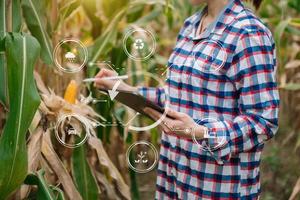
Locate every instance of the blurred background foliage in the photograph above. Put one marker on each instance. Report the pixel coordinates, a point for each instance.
(98, 169)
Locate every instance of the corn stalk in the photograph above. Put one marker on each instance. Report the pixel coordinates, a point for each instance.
(22, 52)
(3, 81)
(35, 18)
(84, 173)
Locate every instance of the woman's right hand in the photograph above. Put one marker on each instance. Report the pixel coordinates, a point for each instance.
(109, 84)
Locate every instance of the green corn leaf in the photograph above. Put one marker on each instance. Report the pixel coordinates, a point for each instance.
(2, 18)
(22, 51)
(102, 46)
(103, 41)
(169, 14)
(294, 4)
(44, 192)
(16, 15)
(278, 34)
(295, 22)
(36, 22)
(2, 23)
(152, 2)
(153, 15)
(279, 30)
(84, 178)
(111, 7)
(90, 8)
(3, 74)
(66, 9)
(59, 194)
(291, 86)
(135, 195)
(3, 82)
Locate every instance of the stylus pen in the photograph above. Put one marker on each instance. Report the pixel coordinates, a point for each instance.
(106, 78)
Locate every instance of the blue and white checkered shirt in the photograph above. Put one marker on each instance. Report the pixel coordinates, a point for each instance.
(225, 80)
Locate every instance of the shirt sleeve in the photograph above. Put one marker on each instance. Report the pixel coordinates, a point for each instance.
(156, 95)
(254, 77)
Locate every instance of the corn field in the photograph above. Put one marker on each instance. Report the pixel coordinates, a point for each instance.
(36, 97)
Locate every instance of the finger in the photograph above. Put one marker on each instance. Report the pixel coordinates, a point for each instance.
(169, 124)
(156, 116)
(105, 72)
(166, 129)
(100, 74)
(153, 113)
(101, 83)
(174, 114)
(108, 72)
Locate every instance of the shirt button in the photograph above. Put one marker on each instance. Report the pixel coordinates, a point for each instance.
(173, 145)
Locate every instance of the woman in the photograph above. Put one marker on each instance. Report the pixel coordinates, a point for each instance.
(225, 104)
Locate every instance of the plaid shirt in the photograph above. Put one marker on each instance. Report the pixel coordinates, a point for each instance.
(225, 80)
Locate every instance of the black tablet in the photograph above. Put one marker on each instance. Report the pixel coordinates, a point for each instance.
(136, 101)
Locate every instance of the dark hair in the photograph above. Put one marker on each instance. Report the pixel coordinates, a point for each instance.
(256, 3)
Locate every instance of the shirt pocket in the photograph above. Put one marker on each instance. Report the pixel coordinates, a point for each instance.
(209, 56)
(208, 72)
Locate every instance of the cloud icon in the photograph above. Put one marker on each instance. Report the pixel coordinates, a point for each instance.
(70, 55)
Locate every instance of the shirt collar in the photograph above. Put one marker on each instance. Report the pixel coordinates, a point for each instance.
(225, 18)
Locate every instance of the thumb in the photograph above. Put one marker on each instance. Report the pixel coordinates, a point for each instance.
(173, 113)
(108, 72)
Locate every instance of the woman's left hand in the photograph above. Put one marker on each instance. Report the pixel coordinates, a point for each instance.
(182, 125)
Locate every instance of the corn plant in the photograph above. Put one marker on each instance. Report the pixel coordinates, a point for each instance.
(282, 17)
(20, 96)
(27, 146)
(34, 94)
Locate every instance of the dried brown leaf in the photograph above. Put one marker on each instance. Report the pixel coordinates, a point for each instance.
(40, 84)
(296, 190)
(35, 122)
(34, 155)
(59, 169)
(108, 188)
(96, 144)
(292, 64)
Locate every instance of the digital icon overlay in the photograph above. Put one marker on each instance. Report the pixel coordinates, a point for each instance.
(70, 55)
(71, 130)
(130, 121)
(142, 156)
(139, 44)
(215, 58)
(210, 141)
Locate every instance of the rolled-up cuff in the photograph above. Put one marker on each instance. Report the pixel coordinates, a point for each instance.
(216, 140)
